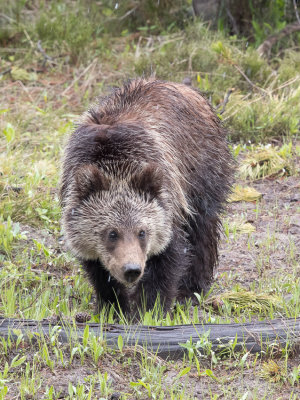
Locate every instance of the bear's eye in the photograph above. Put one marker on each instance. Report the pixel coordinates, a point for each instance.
(142, 234)
(113, 235)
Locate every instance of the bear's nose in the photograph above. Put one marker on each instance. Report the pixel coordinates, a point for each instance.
(132, 272)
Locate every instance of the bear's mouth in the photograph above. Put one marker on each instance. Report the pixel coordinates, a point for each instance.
(129, 284)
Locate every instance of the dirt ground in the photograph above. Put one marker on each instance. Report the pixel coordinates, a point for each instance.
(275, 245)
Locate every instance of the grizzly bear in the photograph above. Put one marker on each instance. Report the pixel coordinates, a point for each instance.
(145, 178)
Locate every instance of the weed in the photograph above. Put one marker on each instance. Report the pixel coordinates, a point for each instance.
(9, 232)
(69, 28)
(294, 377)
(272, 371)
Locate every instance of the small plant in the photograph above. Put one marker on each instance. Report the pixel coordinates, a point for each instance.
(104, 384)
(272, 371)
(9, 232)
(4, 374)
(30, 382)
(120, 343)
(45, 354)
(96, 348)
(9, 132)
(202, 348)
(294, 377)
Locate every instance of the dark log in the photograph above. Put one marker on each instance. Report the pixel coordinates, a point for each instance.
(165, 341)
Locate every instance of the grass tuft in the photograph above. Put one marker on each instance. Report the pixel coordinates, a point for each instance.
(268, 162)
(241, 193)
(272, 371)
(246, 300)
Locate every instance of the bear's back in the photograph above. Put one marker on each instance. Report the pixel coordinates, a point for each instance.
(178, 123)
(166, 123)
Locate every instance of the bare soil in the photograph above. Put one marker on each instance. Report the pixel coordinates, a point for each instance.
(275, 245)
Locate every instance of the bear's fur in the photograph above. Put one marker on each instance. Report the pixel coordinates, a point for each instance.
(145, 177)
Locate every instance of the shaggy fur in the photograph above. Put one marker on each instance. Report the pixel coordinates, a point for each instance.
(151, 157)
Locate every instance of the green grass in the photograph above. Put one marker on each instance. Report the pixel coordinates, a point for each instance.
(266, 107)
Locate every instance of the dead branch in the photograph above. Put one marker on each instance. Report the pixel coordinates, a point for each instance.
(232, 20)
(264, 49)
(248, 80)
(226, 99)
(6, 71)
(296, 11)
(79, 76)
(128, 13)
(45, 55)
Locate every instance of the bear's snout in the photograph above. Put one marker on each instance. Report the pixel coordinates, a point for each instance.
(132, 272)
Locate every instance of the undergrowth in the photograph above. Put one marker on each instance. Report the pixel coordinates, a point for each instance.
(264, 93)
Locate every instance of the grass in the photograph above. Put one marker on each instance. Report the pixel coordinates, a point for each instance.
(40, 99)
(266, 93)
(268, 161)
(246, 193)
(264, 108)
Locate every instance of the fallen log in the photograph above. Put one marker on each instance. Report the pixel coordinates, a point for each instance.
(265, 48)
(166, 341)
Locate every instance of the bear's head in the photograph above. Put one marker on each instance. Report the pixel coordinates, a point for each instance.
(119, 215)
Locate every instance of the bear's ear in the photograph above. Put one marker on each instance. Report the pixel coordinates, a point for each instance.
(89, 179)
(149, 180)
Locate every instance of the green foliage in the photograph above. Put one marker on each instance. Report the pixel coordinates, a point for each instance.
(9, 232)
(268, 17)
(288, 65)
(9, 132)
(260, 118)
(254, 19)
(10, 22)
(64, 26)
(146, 16)
(263, 103)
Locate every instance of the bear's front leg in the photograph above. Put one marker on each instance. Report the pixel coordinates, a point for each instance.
(162, 276)
(107, 289)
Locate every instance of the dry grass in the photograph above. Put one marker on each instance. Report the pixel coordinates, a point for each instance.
(246, 300)
(266, 163)
(245, 193)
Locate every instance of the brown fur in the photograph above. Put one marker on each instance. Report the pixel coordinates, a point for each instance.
(150, 156)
